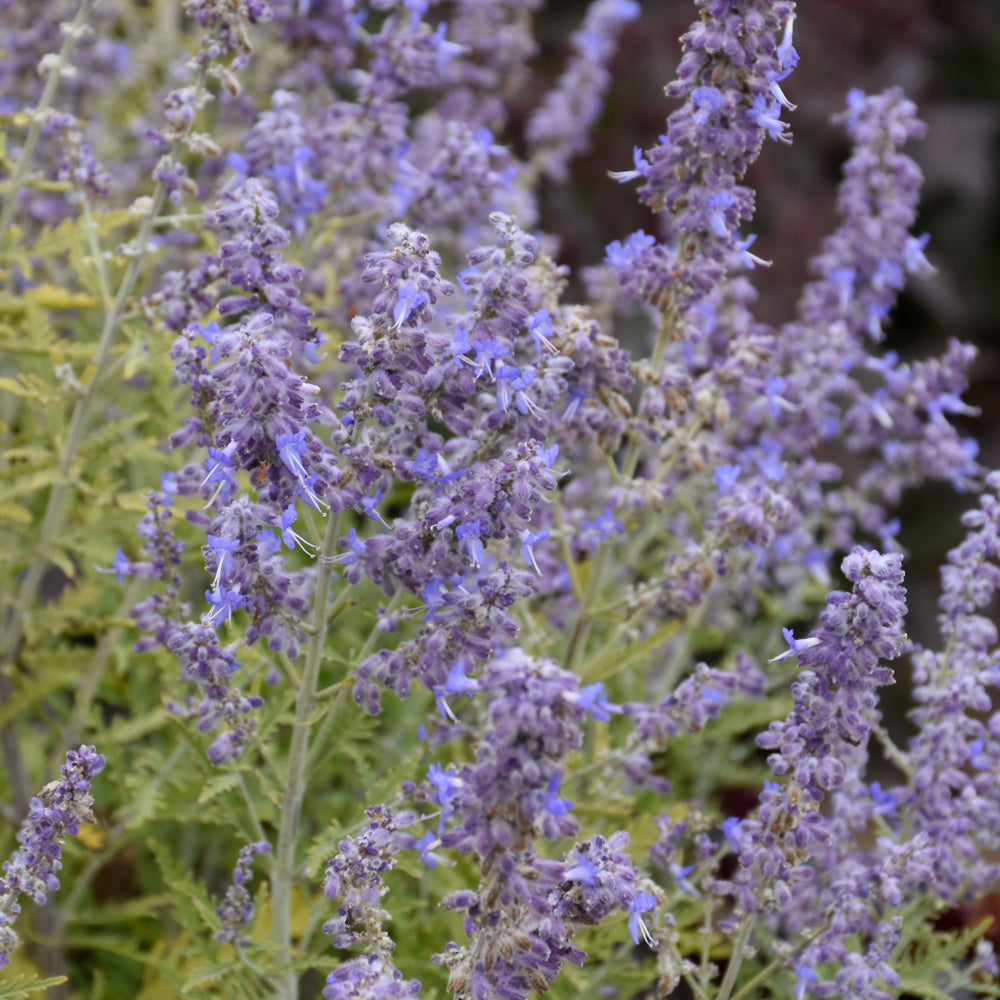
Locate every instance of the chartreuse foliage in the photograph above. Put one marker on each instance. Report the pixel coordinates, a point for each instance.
(374, 623)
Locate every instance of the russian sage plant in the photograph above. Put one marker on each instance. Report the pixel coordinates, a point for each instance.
(424, 626)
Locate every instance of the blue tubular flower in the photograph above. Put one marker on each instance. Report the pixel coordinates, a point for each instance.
(409, 300)
(220, 472)
(555, 805)
(223, 549)
(540, 330)
(470, 535)
(288, 534)
(448, 784)
(56, 813)
(457, 683)
(121, 566)
(529, 539)
(641, 169)
(594, 699)
(795, 646)
(291, 448)
(583, 871)
(804, 975)
(726, 476)
(731, 828)
(621, 256)
(636, 925)
(302, 193)
(224, 602)
(604, 524)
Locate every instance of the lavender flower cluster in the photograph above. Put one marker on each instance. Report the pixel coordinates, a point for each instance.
(53, 815)
(426, 516)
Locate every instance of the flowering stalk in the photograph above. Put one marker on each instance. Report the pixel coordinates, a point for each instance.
(56, 813)
(53, 67)
(283, 873)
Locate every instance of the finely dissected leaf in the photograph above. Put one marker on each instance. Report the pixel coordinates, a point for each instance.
(110, 432)
(238, 981)
(208, 974)
(144, 781)
(24, 457)
(933, 955)
(27, 485)
(32, 388)
(31, 690)
(48, 296)
(614, 659)
(58, 240)
(22, 986)
(116, 944)
(217, 786)
(126, 730)
(147, 908)
(10, 511)
(191, 904)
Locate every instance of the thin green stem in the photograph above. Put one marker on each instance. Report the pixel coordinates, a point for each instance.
(90, 227)
(736, 959)
(251, 809)
(305, 701)
(90, 680)
(706, 944)
(748, 988)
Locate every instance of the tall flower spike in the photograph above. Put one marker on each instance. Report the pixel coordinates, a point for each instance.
(955, 755)
(521, 918)
(732, 61)
(54, 814)
(827, 730)
(558, 127)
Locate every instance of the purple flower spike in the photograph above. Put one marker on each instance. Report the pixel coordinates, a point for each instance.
(55, 814)
(237, 908)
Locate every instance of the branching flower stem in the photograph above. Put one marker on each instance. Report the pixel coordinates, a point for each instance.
(736, 958)
(595, 581)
